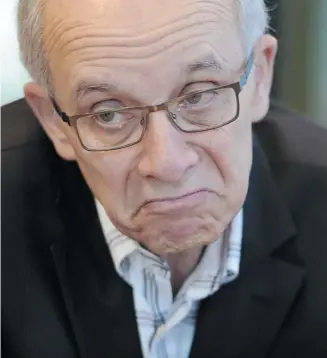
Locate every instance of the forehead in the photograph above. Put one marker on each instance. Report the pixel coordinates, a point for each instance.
(136, 14)
(138, 35)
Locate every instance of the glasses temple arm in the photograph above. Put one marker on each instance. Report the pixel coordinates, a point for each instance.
(248, 68)
(61, 114)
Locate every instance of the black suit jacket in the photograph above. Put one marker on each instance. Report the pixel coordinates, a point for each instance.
(61, 296)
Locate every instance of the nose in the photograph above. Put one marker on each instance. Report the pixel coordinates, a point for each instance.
(166, 155)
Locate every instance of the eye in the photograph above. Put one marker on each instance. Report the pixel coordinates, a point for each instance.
(198, 93)
(113, 119)
(199, 99)
(105, 113)
(107, 117)
(195, 98)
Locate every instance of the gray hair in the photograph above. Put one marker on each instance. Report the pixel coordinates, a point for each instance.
(253, 24)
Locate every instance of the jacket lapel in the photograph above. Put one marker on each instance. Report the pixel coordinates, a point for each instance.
(98, 302)
(243, 318)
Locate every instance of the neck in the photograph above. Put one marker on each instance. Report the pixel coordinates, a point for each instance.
(181, 266)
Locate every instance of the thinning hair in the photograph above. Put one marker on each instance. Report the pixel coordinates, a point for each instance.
(253, 22)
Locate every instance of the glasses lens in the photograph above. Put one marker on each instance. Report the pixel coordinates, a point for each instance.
(206, 109)
(109, 130)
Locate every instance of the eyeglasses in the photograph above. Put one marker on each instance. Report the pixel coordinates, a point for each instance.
(198, 111)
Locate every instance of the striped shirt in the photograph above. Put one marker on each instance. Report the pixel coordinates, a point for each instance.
(166, 324)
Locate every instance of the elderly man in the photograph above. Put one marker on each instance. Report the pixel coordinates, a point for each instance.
(164, 223)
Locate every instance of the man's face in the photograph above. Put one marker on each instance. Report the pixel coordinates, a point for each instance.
(173, 190)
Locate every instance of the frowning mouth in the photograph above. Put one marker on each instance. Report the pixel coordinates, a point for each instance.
(174, 204)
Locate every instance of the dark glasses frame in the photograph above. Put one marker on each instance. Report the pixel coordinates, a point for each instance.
(236, 87)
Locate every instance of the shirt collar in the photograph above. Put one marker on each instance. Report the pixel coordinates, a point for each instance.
(223, 255)
(120, 246)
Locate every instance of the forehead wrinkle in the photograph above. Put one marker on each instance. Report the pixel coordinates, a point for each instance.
(76, 32)
(195, 63)
(73, 31)
(92, 84)
(221, 8)
(97, 52)
(131, 55)
(210, 59)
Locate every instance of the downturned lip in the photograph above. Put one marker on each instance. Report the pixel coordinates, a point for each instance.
(172, 198)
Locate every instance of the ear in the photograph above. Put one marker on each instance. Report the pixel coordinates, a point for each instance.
(58, 131)
(265, 54)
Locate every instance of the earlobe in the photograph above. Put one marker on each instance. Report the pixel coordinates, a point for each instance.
(265, 54)
(41, 105)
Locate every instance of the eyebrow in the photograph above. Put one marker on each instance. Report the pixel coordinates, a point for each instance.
(208, 63)
(84, 87)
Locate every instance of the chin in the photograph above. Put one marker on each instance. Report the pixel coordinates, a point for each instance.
(166, 246)
(177, 235)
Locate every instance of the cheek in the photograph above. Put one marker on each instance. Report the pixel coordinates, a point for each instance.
(231, 150)
(106, 174)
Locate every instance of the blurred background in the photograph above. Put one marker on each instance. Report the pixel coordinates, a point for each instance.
(301, 69)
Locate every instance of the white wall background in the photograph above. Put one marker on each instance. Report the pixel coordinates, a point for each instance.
(13, 75)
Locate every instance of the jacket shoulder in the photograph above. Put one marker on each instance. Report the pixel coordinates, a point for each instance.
(287, 136)
(296, 150)
(28, 174)
(19, 126)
